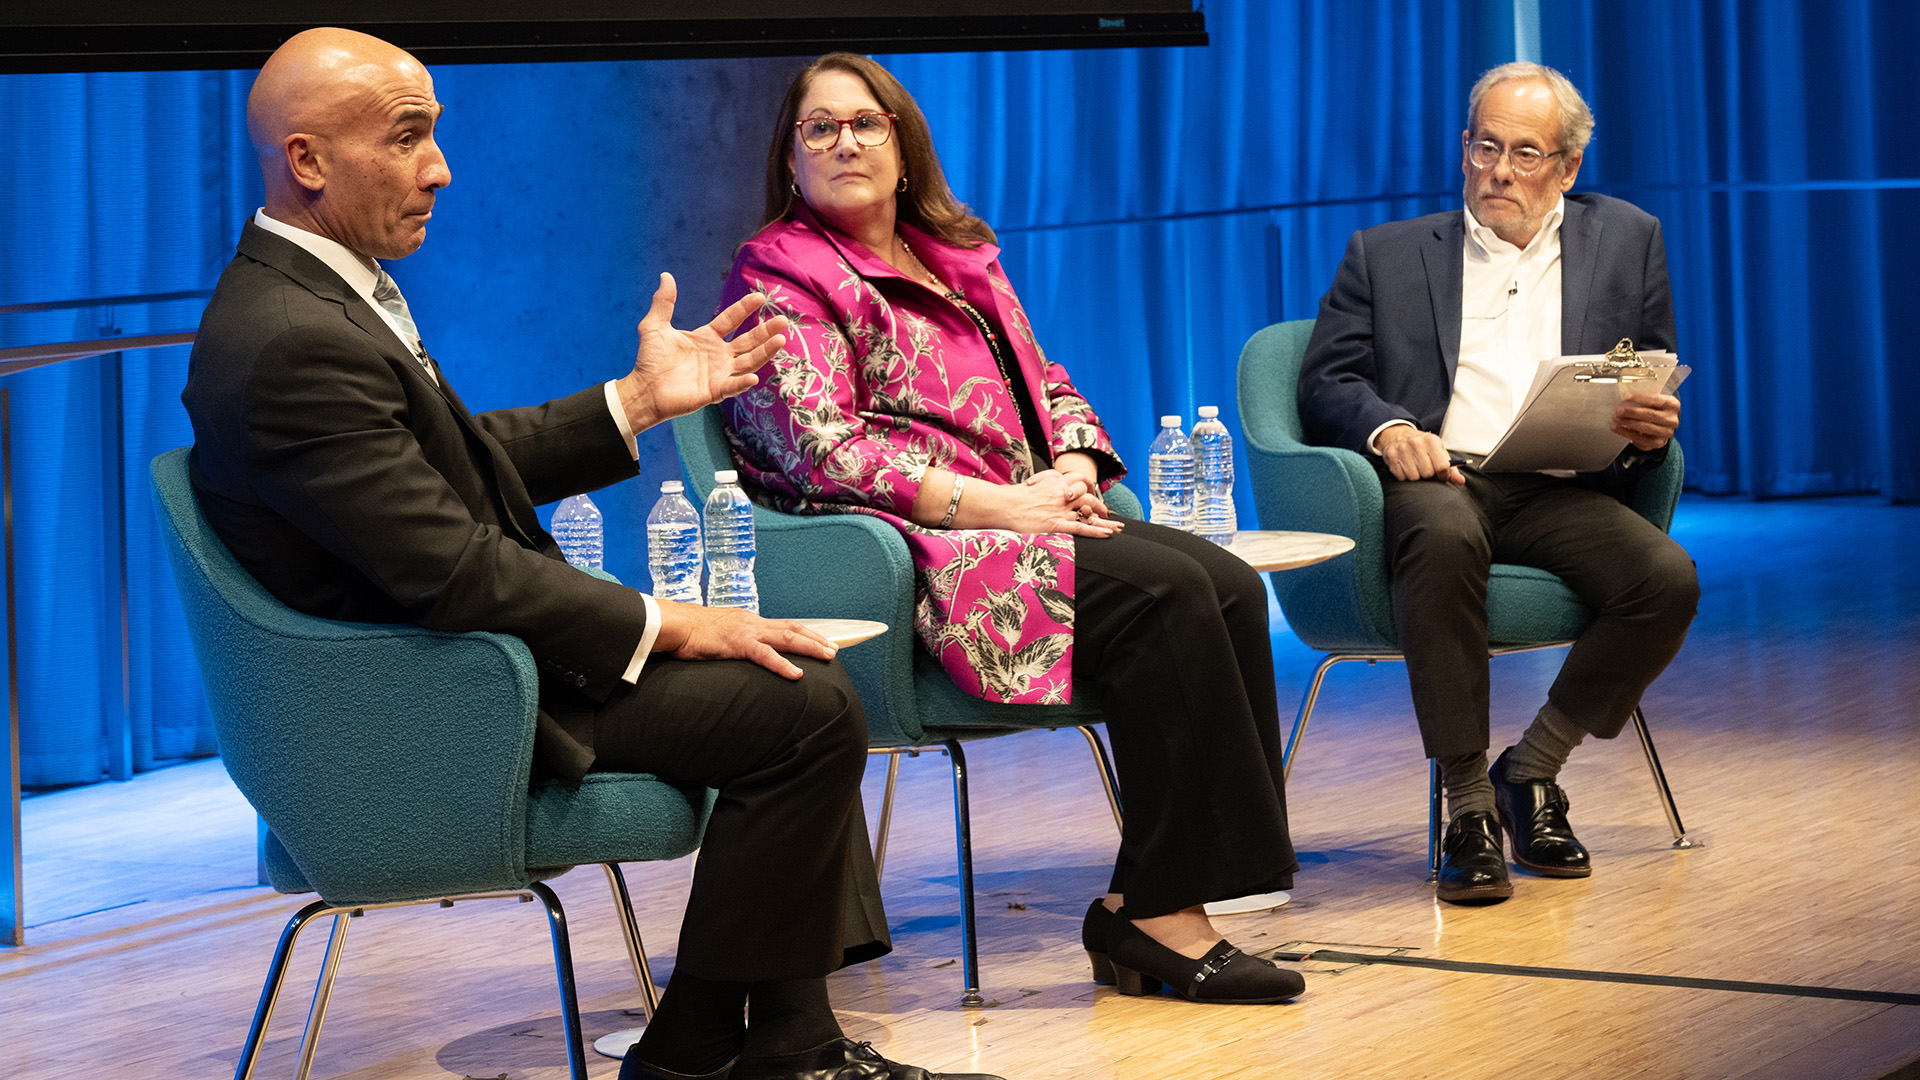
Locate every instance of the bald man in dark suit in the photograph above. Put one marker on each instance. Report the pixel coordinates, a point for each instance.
(334, 458)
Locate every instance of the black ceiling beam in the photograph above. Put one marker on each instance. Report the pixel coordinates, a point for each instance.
(213, 47)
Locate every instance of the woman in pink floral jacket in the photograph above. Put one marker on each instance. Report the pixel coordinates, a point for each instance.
(910, 387)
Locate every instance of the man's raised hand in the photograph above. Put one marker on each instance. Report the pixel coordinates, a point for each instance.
(676, 372)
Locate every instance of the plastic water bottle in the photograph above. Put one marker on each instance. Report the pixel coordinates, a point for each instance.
(1213, 515)
(1170, 477)
(673, 546)
(577, 529)
(729, 520)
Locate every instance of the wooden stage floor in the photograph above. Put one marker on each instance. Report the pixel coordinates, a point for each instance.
(1787, 726)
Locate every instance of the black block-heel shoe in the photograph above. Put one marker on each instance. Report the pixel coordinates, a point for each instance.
(1225, 976)
(839, 1059)
(1094, 931)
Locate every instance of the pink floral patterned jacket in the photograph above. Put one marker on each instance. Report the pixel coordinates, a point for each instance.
(882, 378)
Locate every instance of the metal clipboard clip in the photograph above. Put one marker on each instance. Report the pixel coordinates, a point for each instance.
(1621, 364)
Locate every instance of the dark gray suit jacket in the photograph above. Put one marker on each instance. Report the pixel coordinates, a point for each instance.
(1387, 342)
(354, 487)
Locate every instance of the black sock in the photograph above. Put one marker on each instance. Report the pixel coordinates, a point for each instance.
(789, 1016)
(698, 1028)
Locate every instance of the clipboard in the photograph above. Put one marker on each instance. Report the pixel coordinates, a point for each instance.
(1563, 424)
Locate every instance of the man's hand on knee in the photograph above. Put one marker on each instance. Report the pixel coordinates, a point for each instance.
(1413, 454)
(692, 632)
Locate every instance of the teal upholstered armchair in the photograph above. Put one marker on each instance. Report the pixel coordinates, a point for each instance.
(1344, 607)
(391, 765)
(851, 566)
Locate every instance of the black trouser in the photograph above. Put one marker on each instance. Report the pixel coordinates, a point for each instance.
(1441, 540)
(785, 887)
(1170, 634)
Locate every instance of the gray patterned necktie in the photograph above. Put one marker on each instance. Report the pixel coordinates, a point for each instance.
(390, 300)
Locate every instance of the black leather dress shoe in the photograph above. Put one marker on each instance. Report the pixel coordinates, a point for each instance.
(1472, 868)
(840, 1059)
(632, 1068)
(1094, 931)
(1534, 813)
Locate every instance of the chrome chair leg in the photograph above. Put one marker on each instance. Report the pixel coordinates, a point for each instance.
(1108, 781)
(270, 993)
(630, 930)
(1433, 820)
(1307, 702)
(563, 967)
(1660, 781)
(336, 945)
(885, 824)
(323, 992)
(963, 835)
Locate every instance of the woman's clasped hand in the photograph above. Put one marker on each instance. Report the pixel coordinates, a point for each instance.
(1049, 501)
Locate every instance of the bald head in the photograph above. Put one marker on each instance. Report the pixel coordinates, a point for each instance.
(309, 83)
(343, 125)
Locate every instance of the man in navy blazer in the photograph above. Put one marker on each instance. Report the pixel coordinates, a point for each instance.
(1424, 349)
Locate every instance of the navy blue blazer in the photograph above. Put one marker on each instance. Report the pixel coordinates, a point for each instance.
(1388, 338)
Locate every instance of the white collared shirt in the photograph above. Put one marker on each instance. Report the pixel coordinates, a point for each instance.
(361, 274)
(1509, 322)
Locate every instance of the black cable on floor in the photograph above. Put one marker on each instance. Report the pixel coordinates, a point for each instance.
(1788, 989)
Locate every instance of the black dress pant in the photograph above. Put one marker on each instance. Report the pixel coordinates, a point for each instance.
(1170, 634)
(785, 886)
(1441, 540)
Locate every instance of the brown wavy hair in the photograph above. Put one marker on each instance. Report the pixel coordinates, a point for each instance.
(927, 203)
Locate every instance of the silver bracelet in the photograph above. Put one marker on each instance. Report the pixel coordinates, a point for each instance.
(954, 502)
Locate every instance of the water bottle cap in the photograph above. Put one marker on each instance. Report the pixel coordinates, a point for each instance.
(1169, 421)
(671, 487)
(1208, 412)
(726, 476)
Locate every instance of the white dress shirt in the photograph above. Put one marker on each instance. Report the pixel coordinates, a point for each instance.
(361, 274)
(1509, 322)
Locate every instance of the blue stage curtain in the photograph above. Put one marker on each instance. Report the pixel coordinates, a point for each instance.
(1773, 138)
(115, 185)
(1156, 207)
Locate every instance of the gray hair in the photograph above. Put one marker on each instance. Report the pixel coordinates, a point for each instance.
(1576, 120)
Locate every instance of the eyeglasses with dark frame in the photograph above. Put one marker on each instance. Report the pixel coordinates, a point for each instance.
(870, 129)
(1485, 154)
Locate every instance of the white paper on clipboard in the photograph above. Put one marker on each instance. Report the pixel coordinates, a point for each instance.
(1564, 422)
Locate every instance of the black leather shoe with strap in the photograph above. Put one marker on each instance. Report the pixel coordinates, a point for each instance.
(1473, 870)
(632, 1068)
(1534, 814)
(1225, 976)
(840, 1059)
